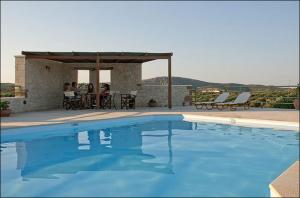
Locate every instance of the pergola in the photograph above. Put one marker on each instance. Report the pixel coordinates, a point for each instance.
(102, 58)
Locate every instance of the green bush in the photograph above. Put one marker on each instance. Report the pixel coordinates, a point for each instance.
(9, 94)
(284, 106)
(4, 105)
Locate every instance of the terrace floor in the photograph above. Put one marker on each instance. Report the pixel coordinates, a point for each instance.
(63, 116)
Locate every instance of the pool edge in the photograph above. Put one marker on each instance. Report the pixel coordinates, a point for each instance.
(283, 125)
(287, 183)
(294, 126)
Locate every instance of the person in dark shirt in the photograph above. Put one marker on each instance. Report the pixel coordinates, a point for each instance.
(104, 94)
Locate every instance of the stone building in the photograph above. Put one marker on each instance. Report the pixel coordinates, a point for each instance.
(40, 77)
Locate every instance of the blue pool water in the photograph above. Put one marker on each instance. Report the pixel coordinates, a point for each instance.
(154, 156)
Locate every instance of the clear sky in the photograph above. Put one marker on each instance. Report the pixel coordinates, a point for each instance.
(242, 42)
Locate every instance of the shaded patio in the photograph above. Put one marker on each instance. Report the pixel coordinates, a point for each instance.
(33, 71)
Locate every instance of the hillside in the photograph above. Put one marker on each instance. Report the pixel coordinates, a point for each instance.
(198, 83)
(7, 89)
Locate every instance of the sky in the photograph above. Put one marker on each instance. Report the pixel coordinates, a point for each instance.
(240, 42)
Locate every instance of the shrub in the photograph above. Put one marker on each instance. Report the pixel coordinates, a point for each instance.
(284, 106)
(152, 103)
(9, 94)
(4, 105)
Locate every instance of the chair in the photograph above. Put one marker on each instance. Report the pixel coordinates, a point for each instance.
(128, 100)
(220, 99)
(241, 100)
(106, 102)
(70, 101)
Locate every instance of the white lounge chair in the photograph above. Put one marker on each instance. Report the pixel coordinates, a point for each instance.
(241, 100)
(220, 99)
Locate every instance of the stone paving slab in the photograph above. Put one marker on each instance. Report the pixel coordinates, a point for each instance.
(64, 116)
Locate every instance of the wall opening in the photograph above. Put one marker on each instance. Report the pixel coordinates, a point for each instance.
(83, 76)
(83, 79)
(105, 76)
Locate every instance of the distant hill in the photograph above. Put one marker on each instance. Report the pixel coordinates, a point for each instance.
(8, 88)
(203, 84)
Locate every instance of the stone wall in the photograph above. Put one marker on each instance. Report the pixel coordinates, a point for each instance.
(160, 94)
(43, 80)
(16, 104)
(19, 74)
(126, 77)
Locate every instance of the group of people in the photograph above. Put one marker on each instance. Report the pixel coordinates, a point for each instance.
(88, 99)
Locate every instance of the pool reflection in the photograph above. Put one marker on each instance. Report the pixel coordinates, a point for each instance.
(112, 149)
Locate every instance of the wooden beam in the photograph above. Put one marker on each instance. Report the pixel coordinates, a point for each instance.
(169, 83)
(97, 82)
(54, 57)
(93, 68)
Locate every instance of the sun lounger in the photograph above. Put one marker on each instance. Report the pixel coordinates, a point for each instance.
(241, 100)
(220, 99)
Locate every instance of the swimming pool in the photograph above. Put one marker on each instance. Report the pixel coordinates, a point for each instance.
(145, 156)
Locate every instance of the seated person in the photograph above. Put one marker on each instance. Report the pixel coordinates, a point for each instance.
(67, 87)
(105, 91)
(74, 88)
(90, 88)
(90, 97)
(104, 94)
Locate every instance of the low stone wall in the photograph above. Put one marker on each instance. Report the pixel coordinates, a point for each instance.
(160, 94)
(16, 104)
(23, 104)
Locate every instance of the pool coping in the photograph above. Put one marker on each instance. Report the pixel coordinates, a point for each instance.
(258, 123)
(287, 183)
(245, 122)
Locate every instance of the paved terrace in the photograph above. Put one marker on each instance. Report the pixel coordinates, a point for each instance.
(64, 116)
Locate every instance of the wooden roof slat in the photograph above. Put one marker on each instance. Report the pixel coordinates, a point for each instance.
(106, 57)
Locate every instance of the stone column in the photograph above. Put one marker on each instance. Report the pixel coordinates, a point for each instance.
(126, 77)
(19, 75)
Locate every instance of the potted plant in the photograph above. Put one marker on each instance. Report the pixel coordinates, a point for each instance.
(296, 101)
(152, 103)
(4, 107)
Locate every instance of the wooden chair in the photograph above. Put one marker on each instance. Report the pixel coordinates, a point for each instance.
(70, 101)
(106, 102)
(128, 100)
